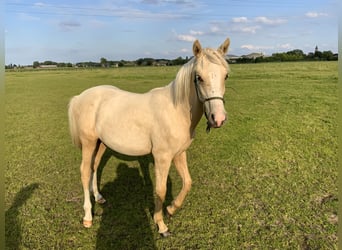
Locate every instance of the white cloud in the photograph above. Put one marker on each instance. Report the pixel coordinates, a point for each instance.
(196, 33)
(190, 37)
(130, 13)
(248, 46)
(285, 46)
(268, 21)
(185, 50)
(223, 28)
(186, 38)
(259, 19)
(251, 26)
(39, 4)
(251, 47)
(240, 19)
(214, 29)
(249, 29)
(27, 17)
(315, 14)
(69, 25)
(255, 47)
(188, 3)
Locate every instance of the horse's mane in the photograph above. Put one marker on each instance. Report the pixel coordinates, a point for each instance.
(180, 87)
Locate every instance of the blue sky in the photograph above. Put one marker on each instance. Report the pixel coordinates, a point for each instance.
(75, 31)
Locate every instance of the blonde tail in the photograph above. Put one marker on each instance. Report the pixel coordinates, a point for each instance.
(72, 123)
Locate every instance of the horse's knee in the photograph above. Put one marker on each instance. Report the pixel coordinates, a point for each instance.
(161, 193)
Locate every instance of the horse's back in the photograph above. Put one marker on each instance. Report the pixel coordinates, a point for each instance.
(92, 98)
(98, 92)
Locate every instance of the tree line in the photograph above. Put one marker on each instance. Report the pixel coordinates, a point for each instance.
(293, 55)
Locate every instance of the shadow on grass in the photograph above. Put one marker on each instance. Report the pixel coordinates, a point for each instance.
(126, 216)
(12, 221)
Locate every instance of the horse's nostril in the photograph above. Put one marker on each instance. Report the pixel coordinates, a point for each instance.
(213, 117)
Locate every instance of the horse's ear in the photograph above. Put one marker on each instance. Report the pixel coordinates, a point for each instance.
(197, 48)
(223, 49)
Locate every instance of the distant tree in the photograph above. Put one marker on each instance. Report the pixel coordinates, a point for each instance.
(179, 61)
(139, 62)
(295, 55)
(144, 62)
(49, 63)
(296, 52)
(35, 64)
(103, 62)
(318, 54)
(328, 55)
(310, 56)
(149, 61)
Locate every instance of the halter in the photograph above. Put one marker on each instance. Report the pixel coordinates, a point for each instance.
(203, 100)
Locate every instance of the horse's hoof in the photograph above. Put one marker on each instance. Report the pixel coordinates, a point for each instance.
(87, 223)
(166, 234)
(168, 214)
(101, 200)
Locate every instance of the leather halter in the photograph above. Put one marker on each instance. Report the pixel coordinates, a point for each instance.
(203, 100)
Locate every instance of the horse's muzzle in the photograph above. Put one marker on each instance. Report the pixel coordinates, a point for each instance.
(215, 120)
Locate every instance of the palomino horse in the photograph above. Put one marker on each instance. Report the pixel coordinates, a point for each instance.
(161, 121)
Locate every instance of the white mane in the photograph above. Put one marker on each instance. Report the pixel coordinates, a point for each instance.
(180, 87)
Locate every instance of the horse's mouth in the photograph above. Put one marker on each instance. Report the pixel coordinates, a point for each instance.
(212, 123)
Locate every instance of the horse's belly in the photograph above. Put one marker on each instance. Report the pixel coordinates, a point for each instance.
(123, 123)
(127, 142)
(129, 148)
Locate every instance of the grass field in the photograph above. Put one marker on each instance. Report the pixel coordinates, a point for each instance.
(266, 180)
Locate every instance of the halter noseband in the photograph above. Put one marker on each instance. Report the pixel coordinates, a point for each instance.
(203, 100)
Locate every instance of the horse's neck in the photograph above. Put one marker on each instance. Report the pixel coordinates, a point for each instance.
(191, 109)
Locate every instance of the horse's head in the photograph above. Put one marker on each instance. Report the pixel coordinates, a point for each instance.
(210, 73)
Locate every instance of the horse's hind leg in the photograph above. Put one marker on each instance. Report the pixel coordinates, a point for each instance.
(182, 168)
(100, 151)
(88, 150)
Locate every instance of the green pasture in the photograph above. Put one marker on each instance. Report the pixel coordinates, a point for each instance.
(266, 180)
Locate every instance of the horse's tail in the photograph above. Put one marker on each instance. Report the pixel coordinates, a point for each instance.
(73, 124)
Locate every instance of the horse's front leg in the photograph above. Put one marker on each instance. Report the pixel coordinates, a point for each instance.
(86, 173)
(162, 167)
(182, 168)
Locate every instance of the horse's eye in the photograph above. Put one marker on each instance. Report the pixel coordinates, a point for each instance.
(199, 78)
(226, 77)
